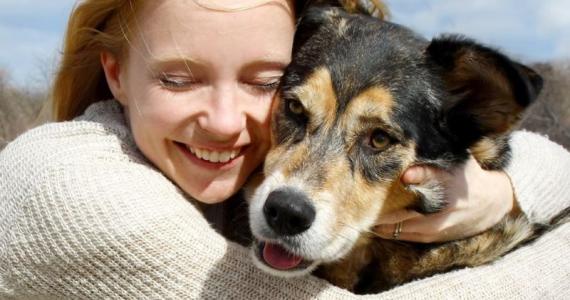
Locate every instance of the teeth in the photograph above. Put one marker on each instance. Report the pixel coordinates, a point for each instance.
(224, 156)
(214, 156)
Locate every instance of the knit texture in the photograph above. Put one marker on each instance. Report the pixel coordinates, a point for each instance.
(83, 215)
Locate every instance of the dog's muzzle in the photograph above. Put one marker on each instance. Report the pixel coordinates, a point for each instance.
(287, 213)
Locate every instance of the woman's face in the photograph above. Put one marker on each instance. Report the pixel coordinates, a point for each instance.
(197, 87)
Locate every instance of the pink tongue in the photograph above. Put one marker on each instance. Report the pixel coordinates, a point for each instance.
(279, 258)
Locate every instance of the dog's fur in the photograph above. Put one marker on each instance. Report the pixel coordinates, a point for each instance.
(362, 101)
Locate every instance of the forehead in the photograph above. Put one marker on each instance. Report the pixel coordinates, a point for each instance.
(205, 31)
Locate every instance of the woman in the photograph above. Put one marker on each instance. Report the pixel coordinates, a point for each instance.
(100, 207)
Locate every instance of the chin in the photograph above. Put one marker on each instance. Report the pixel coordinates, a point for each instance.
(213, 197)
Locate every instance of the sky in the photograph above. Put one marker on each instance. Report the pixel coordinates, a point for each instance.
(31, 31)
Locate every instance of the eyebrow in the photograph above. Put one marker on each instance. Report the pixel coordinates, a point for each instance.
(157, 63)
(266, 63)
(262, 63)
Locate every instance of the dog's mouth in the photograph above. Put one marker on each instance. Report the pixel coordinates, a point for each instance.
(277, 258)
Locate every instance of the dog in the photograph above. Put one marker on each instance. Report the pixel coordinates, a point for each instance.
(363, 100)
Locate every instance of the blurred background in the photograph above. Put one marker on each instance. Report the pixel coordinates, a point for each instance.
(534, 32)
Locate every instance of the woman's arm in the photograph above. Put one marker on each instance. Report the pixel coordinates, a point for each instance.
(536, 179)
(83, 223)
(81, 219)
(540, 174)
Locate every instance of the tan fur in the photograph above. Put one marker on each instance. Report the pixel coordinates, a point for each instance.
(345, 273)
(486, 150)
(375, 102)
(318, 98)
(377, 8)
(398, 197)
(295, 159)
(342, 27)
(362, 198)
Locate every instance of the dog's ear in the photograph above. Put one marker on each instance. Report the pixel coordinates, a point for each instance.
(488, 92)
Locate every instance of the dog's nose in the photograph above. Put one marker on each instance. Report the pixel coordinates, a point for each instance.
(288, 212)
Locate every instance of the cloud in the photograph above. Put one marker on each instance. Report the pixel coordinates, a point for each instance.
(30, 34)
(528, 29)
(554, 15)
(35, 7)
(531, 30)
(31, 54)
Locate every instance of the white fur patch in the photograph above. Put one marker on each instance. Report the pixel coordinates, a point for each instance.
(320, 243)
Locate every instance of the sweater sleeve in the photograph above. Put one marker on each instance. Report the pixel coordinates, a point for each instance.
(540, 174)
(81, 219)
(87, 220)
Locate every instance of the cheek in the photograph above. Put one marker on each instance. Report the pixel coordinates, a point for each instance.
(147, 119)
(154, 123)
(158, 109)
(262, 110)
(259, 114)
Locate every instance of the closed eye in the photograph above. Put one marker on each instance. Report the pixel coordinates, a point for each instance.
(177, 82)
(268, 85)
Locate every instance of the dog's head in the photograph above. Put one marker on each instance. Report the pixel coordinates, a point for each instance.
(362, 101)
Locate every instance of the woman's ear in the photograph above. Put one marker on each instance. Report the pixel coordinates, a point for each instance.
(112, 70)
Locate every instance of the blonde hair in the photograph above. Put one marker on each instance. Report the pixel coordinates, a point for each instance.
(107, 25)
(94, 26)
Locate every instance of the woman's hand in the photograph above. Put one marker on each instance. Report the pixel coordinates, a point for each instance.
(477, 200)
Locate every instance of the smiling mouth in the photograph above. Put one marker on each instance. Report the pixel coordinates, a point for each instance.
(280, 259)
(212, 156)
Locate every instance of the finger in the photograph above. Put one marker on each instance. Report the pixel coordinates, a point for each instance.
(415, 237)
(421, 174)
(414, 175)
(398, 216)
(386, 231)
(388, 226)
(430, 225)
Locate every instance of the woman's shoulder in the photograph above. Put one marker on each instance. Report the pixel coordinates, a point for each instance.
(89, 162)
(100, 133)
(96, 146)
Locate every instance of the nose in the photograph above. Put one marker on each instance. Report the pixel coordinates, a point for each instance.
(288, 212)
(224, 117)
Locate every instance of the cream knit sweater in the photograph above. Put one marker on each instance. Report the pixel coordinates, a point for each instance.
(83, 215)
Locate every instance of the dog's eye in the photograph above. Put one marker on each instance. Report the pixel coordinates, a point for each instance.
(379, 140)
(295, 107)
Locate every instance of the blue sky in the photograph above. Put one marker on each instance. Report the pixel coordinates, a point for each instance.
(529, 30)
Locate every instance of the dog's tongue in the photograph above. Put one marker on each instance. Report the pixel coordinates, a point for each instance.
(280, 258)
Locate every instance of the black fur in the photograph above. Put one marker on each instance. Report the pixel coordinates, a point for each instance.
(438, 118)
(449, 95)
